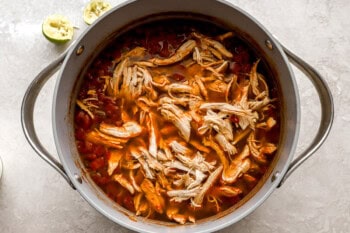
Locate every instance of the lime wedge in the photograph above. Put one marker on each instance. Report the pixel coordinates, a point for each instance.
(57, 29)
(94, 9)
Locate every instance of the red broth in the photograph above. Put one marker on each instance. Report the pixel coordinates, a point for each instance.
(131, 129)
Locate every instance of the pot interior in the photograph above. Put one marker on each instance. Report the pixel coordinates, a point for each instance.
(125, 17)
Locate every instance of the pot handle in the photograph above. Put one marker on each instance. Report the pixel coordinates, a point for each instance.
(327, 111)
(27, 110)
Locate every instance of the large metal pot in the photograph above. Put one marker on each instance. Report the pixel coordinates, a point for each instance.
(75, 62)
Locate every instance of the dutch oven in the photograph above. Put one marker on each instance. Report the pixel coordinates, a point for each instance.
(74, 62)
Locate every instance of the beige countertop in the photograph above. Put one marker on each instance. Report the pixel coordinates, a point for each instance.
(316, 198)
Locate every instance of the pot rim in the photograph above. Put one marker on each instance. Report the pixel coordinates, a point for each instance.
(268, 187)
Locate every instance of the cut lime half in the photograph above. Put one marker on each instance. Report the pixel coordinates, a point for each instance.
(57, 29)
(94, 9)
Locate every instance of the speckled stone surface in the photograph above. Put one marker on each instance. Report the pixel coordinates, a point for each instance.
(316, 198)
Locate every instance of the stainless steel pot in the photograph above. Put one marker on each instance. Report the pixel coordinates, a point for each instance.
(75, 61)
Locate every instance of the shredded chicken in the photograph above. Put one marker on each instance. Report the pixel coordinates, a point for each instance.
(198, 199)
(104, 139)
(155, 200)
(128, 130)
(85, 108)
(113, 161)
(179, 118)
(180, 54)
(124, 182)
(182, 135)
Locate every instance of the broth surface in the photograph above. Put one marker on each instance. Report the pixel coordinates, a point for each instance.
(177, 120)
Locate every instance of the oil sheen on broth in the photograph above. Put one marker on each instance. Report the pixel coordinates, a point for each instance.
(178, 122)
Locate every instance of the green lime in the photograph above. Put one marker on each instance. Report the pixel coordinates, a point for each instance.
(57, 29)
(94, 9)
